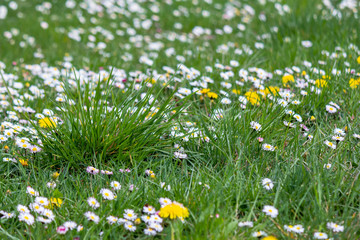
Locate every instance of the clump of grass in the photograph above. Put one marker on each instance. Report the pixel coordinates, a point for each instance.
(107, 124)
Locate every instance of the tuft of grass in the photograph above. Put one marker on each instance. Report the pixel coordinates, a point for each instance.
(100, 125)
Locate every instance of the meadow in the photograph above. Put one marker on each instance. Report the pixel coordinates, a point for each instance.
(179, 119)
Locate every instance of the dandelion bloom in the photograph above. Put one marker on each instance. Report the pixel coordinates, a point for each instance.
(269, 238)
(212, 95)
(321, 83)
(174, 210)
(354, 83)
(288, 78)
(54, 202)
(47, 123)
(252, 97)
(23, 162)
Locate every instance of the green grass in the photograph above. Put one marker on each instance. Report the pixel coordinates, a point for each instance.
(122, 113)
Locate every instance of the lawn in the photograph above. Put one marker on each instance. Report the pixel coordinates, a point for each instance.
(180, 119)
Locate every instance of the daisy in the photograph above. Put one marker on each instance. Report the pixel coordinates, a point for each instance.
(289, 124)
(334, 105)
(267, 183)
(246, 224)
(6, 214)
(256, 126)
(225, 101)
(43, 201)
(92, 170)
(93, 203)
(296, 102)
(289, 228)
(34, 149)
(155, 218)
(330, 109)
(156, 226)
(49, 214)
(149, 209)
(306, 43)
(51, 185)
(270, 211)
(36, 207)
(355, 135)
(339, 131)
(79, 228)
(9, 160)
(31, 191)
(115, 185)
(337, 138)
(304, 127)
(62, 230)
(146, 218)
(22, 209)
(92, 217)
(3, 138)
(70, 225)
(130, 226)
(107, 194)
(298, 228)
(164, 201)
(43, 220)
(335, 227)
(130, 214)
(320, 235)
(330, 144)
(327, 166)
(149, 231)
(122, 221)
(298, 117)
(27, 218)
(111, 220)
(289, 112)
(258, 234)
(268, 147)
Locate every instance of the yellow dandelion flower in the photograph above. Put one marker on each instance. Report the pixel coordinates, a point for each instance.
(236, 91)
(320, 83)
(354, 83)
(287, 78)
(358, 60)
(204, 90)
(252, 97)
(47, 123)
(269, 238)
(174, 210)
(55, 175)
(212, 95)
(54, 202)
(24, 162)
